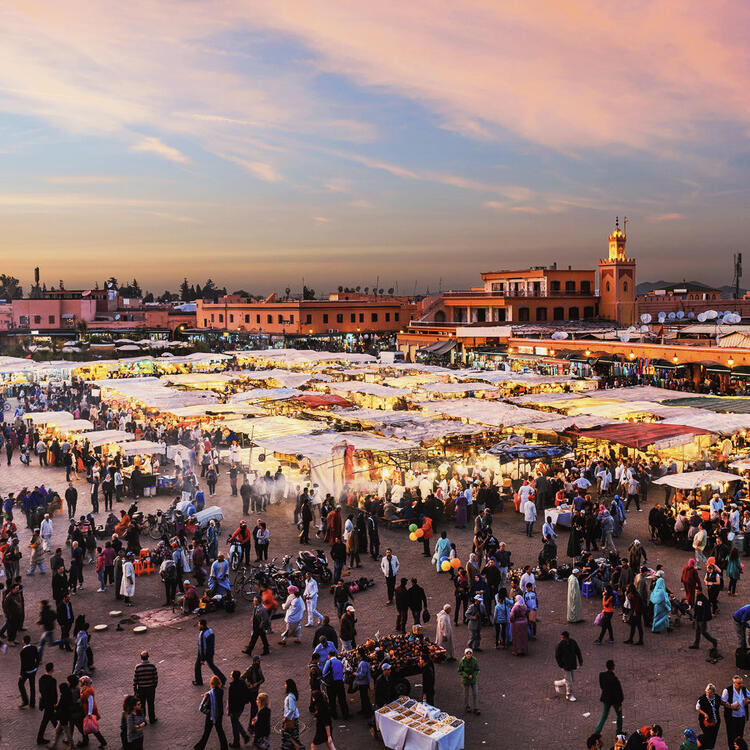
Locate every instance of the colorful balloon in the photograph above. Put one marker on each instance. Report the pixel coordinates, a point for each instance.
(455, 563)
(413, 527)
(445, 566)
(413, 536)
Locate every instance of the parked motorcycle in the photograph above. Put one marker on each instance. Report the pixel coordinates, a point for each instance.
(316, 564)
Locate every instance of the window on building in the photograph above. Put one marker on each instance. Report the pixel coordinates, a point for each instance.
(339, 317)
(625, 286)
(570, 286)
(374, 317)
(588, 313)
(395, 317)
(247, 318)
(325, 317)
(585, 287)
(23, 320)
(536, 286)
(231, 317)
(257, 319)
(523, 314)
(498, 286)
(554, 286)
(361, 317)
(269, 318)
(541, 313)
(291, 318)
(281, 319)
(558, 313)
(308, 319)
(573, 313)
(353, 317)
(608, 286)
(499, 314)
(37, 319)
(205, 322)
(212, 317)
(387, 317)
(221, 318)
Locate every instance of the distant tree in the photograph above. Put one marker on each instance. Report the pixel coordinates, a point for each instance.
(341, 288)
(287, 292)
(10, 287)
(196, 292)
(308, 293)
(243, 293)
(185, 290)
(148, 297)
(168, 296)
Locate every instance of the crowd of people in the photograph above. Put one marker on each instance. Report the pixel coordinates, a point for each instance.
(490, 593)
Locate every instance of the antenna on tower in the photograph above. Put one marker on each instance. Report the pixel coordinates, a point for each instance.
(617, 222)
(625, 225)
(737, 274)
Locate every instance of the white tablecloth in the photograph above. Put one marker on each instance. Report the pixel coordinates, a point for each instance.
(559, 517)
(397, 736)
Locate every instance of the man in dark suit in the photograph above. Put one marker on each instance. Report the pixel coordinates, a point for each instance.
(29, 664)
(611, 696)
(66, 618)
(47, 701)
(206, 648)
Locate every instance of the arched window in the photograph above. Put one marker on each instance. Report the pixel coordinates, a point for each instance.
(573, 313)
(523, 314)
(541, 313)
(608, 287)
(625, 286)
(440, 316)
(558, 313)
(588, 313)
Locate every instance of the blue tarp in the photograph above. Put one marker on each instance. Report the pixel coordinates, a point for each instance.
(507, 453)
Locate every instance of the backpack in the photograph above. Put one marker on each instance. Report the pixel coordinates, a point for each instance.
(168, 571)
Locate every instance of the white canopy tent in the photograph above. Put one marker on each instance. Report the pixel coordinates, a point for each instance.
(102, 437)
(142, 448)
(495, 413)
(691, 480)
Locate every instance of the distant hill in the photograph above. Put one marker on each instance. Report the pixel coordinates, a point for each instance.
(645, 287)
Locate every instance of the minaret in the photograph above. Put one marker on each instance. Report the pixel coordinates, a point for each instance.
(617, 281)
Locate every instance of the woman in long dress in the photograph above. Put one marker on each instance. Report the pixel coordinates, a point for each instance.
(662, 607)
(461, 506)
(127, 587)
(575, 605)
(519, 627)
(691, 581)
(442, 549)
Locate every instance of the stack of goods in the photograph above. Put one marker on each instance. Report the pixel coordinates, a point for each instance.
(402, 652)
(420, 717)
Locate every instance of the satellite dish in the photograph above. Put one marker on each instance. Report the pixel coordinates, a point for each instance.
(117, 316)
(711, 315)
(691, 315)
(646, 318)
(680, 315)
(557, 335)
(701, 317)
(727, 312)
(632, 329)
(262, 457)
(671, 316)
(644, 329)
(624, 338)
(299, 457)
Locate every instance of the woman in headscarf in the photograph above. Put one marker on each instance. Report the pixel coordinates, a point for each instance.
(662, 607)
(519, 628)
(461, 510)
(442, 549)
(575, 605)
(576, 535)
(691, 581)
(472, 567)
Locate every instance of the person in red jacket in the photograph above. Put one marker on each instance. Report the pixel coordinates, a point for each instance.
(245, 538)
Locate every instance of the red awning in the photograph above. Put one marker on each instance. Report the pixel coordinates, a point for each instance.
(637, 435)
(315, 400)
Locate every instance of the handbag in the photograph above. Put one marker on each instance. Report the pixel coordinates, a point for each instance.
(426, 616)
(598, 619)
(206, 705)
(90, 724)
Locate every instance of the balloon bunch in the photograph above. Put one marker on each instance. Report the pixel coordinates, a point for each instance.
(446, 564)
(415, 533)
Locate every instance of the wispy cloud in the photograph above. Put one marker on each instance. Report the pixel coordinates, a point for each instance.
(361, 203)
(321, 219)
(84, 179)
(175, 217)
(658, 218)
(261, 169)
(338, 185)
(156, 146)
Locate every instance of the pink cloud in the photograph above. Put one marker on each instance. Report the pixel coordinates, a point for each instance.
(657, 218)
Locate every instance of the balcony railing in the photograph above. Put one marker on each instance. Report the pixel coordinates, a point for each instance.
(522, 293)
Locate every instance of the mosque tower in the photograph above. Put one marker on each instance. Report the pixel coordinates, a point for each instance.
(617, 281)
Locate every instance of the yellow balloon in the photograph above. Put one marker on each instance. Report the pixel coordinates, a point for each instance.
(445, 566)
(413, 536)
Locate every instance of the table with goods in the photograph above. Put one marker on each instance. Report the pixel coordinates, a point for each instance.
(407, 724)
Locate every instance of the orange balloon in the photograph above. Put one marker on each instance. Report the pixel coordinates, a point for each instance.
(419, 533)
(455, 563)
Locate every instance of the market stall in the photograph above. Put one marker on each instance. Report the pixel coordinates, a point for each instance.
(406, 724)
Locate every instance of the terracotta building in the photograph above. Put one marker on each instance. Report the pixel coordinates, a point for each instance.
(352, 313)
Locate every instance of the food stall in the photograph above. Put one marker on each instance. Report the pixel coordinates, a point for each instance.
(407, 724)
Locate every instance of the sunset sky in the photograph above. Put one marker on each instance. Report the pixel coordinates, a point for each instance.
(260, 142)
